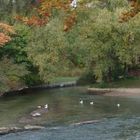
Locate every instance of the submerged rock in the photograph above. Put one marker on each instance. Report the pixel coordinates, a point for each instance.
(85, 122)
(33, 127)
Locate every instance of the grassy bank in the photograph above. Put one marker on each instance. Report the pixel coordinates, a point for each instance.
(64, 79)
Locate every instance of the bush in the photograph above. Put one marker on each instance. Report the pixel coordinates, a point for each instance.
(11, 75)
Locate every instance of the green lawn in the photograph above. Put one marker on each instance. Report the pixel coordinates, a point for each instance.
(123, 83)
(64, 79)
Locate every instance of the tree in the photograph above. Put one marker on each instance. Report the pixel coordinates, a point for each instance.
(97, 42)
(46, 9)
(46, 49)
(5, 31)
(134, 10)
(11, 74)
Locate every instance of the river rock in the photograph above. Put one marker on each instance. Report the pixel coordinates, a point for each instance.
(7, 130)
(33, 127)
(85, 122)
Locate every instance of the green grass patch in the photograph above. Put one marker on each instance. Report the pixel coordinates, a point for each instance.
(64, 79)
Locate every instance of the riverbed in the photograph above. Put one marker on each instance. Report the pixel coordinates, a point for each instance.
(65, 115)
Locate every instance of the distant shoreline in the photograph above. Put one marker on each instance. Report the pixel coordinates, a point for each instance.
(25, 90)
(115, 91)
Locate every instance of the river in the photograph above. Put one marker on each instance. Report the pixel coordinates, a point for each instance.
(64, 113)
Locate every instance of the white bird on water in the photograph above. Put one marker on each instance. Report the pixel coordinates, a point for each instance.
(81, 102)
(46, 106)
(118, 105)
(91, 103)
(39, 106)
(36, 114)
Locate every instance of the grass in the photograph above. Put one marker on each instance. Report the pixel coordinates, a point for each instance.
(123, 83)
(64, 79)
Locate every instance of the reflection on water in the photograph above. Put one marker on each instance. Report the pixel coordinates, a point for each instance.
(64, 109)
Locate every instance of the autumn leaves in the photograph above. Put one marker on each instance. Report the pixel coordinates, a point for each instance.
(135, 9)
(5, 31)
(44, 12)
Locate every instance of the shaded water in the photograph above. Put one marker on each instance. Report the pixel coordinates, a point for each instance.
(64, 110)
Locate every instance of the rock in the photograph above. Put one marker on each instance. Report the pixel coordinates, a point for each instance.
(33, 127)
(85, 122)
(4, 130)
(62, 85)
(7, 130)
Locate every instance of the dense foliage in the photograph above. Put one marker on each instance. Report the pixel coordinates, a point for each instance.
(99, 39)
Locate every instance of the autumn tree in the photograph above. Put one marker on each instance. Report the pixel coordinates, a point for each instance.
(97, 42)
(134, 10)
(45, 10)
(5, 31)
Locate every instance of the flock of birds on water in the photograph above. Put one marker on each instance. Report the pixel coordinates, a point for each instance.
(91, 103)
(37, 114)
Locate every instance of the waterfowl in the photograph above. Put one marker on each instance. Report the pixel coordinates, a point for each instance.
(46, 106)
(118, 105)
(91, 103)
(81, 102)
(36, 114)
(39, 106)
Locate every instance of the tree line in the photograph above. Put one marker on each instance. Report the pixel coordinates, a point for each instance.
(97, 39)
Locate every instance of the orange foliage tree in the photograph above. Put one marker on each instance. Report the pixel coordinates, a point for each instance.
(5, 31)
(135, 9)
(43, 12)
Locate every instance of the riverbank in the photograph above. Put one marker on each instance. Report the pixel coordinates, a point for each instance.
(25, 90)
(122, 87)
(131, 82)
(115, 91)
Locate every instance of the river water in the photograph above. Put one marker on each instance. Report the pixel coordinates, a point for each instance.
(111, 122)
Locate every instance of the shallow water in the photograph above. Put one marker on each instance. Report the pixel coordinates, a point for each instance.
(64, 109)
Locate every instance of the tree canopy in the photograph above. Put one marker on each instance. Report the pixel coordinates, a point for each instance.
(55, 38)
